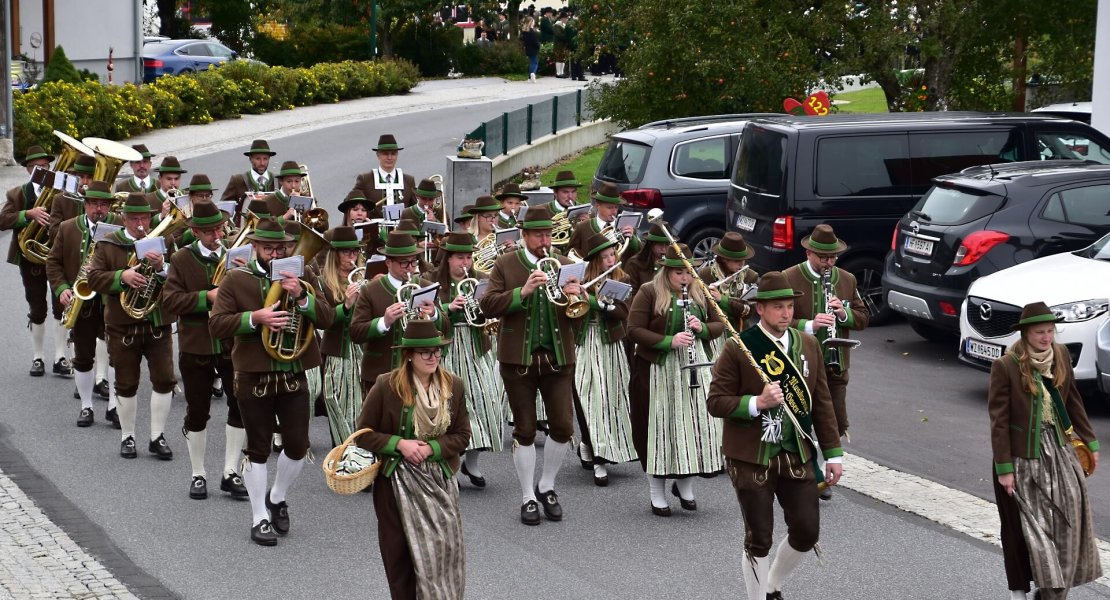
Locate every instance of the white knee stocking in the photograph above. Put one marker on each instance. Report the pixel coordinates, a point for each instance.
(101, 360)
(113, 399)
(159, 412)
(254, 478)
(786, 560)
(656, 487)
(524, 459)
(686, 488)
(85, 382)
(197, 441)
(60, 342)
(236, 439)
(755, 575)
(471, 461)
(287, 472)
(126, 410)
(553, 453)
(38, 333)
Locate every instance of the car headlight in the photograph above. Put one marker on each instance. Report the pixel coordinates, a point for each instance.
(1084, 310)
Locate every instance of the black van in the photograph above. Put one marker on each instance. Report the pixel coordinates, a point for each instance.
(860, 173)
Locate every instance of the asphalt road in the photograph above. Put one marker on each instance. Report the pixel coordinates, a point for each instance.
(913, 407)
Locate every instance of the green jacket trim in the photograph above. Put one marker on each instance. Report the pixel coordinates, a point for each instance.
(21, 220)
(244, 324)
(117, 282)
(518, 304)
(1003, 468)
(1093, 445)
(202, 305)
(743, 409)
(310, 309)
(61, 288)
(437, 452)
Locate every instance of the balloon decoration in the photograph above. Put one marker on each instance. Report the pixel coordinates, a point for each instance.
(817, 104)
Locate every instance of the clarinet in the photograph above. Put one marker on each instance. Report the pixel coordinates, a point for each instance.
(692, 363)
(832, 355)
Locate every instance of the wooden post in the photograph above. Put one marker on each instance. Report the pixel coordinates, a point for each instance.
(48, 31)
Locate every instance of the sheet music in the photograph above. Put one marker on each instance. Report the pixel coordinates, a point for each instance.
(227, 207)
(629, 218)
(521, 213)
(573, 270)
(154, 244)
(301, 203)
(575, 212)
(424, 295)
(183, 202)
(480, 289)
(243, 252)
(433, 228)
(507, 235)
(293, 264)
(101, 231)
(392, 212)
(616, 290)
(39, 175)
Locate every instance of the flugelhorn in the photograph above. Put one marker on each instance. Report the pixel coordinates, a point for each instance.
(550, 267)
(34, 238)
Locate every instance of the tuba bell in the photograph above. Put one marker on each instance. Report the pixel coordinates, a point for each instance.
(34, 239)
(290, 342)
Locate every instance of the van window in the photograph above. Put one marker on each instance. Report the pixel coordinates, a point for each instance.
(624, 162)
(936, 154)
(1080, 206)
(701, 159)
(863, 165)
(955, 206)
(761, 161)
(1056, 145)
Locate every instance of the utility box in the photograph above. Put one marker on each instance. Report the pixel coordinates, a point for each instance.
(465, 180)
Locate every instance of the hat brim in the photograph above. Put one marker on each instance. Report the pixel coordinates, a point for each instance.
(254, 237)
(259, 151)
(441, 344)
(503, 196)
(192, 222)
(747, 254)
(808, 245)
(346, 205)
(387, 147)
(1037, 320)
(769, 298)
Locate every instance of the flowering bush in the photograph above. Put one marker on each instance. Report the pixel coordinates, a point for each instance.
(119, 112)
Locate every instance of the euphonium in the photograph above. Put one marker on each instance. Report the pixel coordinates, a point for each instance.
(290, 342)
(34, 238)
(560, 230)
(221, 269)
(138, 303)
(550, 267)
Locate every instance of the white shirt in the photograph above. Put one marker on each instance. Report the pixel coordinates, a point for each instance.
(142, 183)
(206, 253)
(809, 324)
(264, 176)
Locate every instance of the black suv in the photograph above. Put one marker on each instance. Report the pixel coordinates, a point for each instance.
(860, 173)
(985, 219)
(681, 166)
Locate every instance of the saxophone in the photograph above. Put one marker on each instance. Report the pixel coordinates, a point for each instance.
(82, 292)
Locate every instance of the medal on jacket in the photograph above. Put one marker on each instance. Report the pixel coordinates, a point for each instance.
(805, 366)
(772, 426)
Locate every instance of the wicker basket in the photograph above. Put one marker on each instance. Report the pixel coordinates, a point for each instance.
(344, 483)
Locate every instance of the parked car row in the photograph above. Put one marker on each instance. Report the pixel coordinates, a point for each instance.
(174, 57)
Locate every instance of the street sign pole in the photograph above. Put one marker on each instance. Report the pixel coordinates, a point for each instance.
(6, 121)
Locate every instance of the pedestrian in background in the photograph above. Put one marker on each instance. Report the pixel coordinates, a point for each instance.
(1047, 528)
(531, 41)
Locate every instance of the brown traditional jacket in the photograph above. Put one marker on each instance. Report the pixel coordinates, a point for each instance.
(129, 184)
(385, 413)
(636, 264)
(581, 232)
(186, 295)
(67, 253)
(735, 385)
(812, 301)
(13, 217)
(243, 291)
(105, 276)
(1016, 414)
(378, 356)
(239, 184)
(365, 184)
(446, 296)
(653, 333)
(521, 316)
(62, 209)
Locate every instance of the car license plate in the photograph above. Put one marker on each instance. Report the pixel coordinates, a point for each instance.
(983, 350)
(918, 246)
(745, 223)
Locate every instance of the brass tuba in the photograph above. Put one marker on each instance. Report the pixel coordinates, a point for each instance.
(138, 303)
(290, 342)
(34, 238)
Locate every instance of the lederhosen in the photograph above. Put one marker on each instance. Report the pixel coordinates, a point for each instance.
(63, 262)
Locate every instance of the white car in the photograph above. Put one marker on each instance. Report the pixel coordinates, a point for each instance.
(1075, 285)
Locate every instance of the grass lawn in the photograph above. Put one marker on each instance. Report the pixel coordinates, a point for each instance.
(583, 164)
(870, 100)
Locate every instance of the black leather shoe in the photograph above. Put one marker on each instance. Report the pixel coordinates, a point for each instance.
(279, 513)
(127, 448)
(158, 447)
(551, 507)
(601, 480)
(100, 390)
(686, 504)
(85, 418)
(276, 448)
(62, 368)
(38, 367)
(76, 394)
(112, 417)
(826, 494)
(474, 480)
(774, 596)
(233, 484)
(217, 392)
(530, 513)
(199, 489)
(661, 512)
(263, 534)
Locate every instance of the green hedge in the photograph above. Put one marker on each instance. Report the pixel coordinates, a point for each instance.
(225, 92)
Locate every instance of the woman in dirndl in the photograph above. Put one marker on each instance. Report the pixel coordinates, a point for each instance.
(601, 372)
(468, 356)
(420, 427)
(675, 436)
(1040, 487)
(342, 358)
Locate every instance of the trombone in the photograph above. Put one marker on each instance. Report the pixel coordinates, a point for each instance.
(579, 307)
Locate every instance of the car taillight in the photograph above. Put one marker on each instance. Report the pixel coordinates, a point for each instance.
(782, 234)
(976, 245)
(894, 239)
(644, 198)
(152, 63)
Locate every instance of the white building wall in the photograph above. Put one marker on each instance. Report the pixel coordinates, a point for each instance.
(87, 29)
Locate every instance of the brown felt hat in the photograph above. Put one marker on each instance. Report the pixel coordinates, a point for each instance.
(511, 190)
(260, 147)
(142, 150)
(823, 240)
(269, 230)
(421, 333)
(1035, 313)
(486, 204)
(672, 260)
(259, 208)
(199, 183)
(206, 215)
(386, 141)
(400, 245)
(36, 152)
(565, 179)
(466, 214)
(459, 242)
(732, 246)
(170, 164)
(773, 285)
(427, 189)
(84, 164)
(354, 198)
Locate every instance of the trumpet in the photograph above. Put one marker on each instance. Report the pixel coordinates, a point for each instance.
(138, 303)
(290, 342)
(550, 267)
(579, 307)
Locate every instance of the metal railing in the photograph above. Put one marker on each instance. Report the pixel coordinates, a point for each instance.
(524, 125)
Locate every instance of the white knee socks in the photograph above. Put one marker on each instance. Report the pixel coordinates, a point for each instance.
(1018, 595)
(126, 406)
(287, 472)
(236, 438)
(85, 382)
(755, 575)
(101, 360)
(786, 560)
(686, 488)
(112, 397)
(584, 452)
(553, 453)
(254, 478)
(197, 441)
(159, 412)
(524, 459)
(471, 461)
(60, 341)
(656, 487)
(38, 333)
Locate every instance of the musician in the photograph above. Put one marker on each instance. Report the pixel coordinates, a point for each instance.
(486, 213)
(419, 422)
(64, 207)
(356, 209)
(510, 198)
(536, 352)
(607, 202)
(130, 340)
(169, 180)
(781, 467)
(425, 207)
(289, 180)
(199, 190)
(140, 180)
(666, 407)
(1040, 489)
(468, 355)
(18, 212)
(266, 387)
(465, 218)
(387, 179)
(376, 320)
(257, 180)
(730, 255)
(68, 253)
(409, 227)
(643, 264)
(601, 376)
(189, 293)
(565, 188)
(341, 388)
(844, 309)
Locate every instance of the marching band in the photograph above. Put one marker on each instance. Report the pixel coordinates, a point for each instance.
(436, 340)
